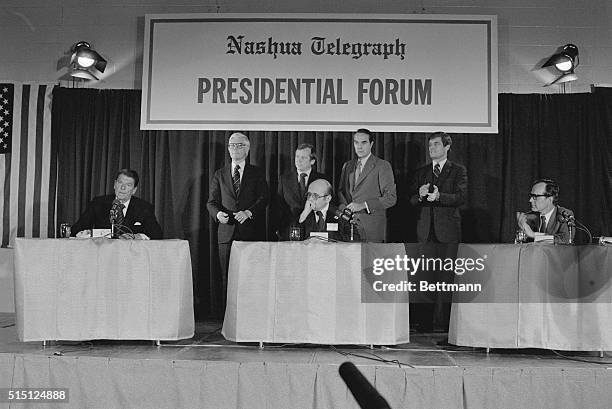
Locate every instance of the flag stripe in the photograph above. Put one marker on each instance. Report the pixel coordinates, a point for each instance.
(38, 160)
(46, 155)
(14, 170)
(28, 172)
(6, 225)
(23, 159)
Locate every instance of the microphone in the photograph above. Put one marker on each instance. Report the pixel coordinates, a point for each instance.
(113, 215)
(346, 214)
(364, 393)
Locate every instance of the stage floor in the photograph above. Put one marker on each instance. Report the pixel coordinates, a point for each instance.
(209, 371)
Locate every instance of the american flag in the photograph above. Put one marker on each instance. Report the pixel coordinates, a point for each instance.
(28, 170)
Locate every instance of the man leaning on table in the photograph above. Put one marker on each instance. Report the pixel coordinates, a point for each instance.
(321, 216)
(135, 216)
(546, 216)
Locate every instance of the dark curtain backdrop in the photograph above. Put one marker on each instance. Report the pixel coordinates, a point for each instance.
(566, 137)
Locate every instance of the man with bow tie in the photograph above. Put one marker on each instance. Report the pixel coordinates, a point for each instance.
(367, 188)
(133, 217)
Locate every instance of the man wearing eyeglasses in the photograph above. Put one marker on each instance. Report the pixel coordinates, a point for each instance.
(319, 215)
(546, 217)
(292, 187)
(237, 200)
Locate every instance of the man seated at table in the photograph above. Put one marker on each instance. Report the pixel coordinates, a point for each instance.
(546, 217)
(133, 217)
(321, 216)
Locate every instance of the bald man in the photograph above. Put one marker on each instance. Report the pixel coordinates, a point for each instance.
(319, 215)
(237, 200)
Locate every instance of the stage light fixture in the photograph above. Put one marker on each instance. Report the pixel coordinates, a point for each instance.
(84, 59)
(564, 60)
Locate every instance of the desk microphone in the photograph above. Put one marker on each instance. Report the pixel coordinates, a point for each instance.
(112, 216)
(364, 393)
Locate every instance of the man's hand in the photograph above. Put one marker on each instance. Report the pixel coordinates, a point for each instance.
(137, 236)
(223, 217)
(433, 196)
(242, 216)
(424, 190)
(308, 208)
(356, 207)
(84, 234)
(521, 219)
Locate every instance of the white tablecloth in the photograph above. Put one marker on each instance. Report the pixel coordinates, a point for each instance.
(307, 292)
(540, 296)
(72, 289)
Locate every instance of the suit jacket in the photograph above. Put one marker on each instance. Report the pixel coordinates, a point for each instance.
(289, 202)
(452, 185)
(556, 226)
(376, 187)
(253, 196)
(139, 218)
(310, 225)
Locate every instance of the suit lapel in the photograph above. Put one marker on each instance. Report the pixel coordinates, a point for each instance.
(369, 166)
(446, 170)
(351, 173)
(551, 226)
(227, 176)
(294, 186)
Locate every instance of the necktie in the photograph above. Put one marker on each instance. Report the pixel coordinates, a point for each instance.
(236, 180)
(119, 219)
(320, 221)
(436, 170)
(358, 171)
(302, 184)
(542, 224)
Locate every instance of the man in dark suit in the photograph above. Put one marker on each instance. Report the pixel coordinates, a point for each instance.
(237, 200)
(440, 188)
(546, 216)
(367, 188)
(292, 188)
(319, 215)
(134, 216)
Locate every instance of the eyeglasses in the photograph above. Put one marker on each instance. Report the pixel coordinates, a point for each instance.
(315, 196)
(236, 145)
(534, 196)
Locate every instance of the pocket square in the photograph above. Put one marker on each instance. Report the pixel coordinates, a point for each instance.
(137, 224)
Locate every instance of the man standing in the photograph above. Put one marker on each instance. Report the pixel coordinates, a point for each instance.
(292, 187)
(133, 216)
(367, 188)
(546, 217)
(237, 200)
(439, 189)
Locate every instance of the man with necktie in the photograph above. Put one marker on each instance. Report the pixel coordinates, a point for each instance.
(134, 217)
(367, 188)
(546, 216)
(438, 190)
(292, 188)
(237, 200)
(319, 215)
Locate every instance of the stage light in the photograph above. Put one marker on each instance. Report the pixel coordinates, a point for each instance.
(84, 60)
(564, 60)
